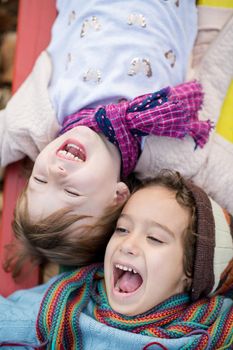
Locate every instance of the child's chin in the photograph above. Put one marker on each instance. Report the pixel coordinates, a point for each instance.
(125, 309)
(125, 302)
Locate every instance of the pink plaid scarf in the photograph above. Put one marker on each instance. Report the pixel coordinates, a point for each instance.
(169, 112)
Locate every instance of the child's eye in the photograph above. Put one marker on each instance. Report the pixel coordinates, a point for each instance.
(154, 239)
(38, 180)
(120, 229)
(71, 193)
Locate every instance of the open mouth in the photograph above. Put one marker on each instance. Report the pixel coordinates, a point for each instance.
(126, 279)
(71, 150)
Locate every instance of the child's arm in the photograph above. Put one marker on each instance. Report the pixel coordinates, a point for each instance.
(214, 161)
(18, 315)
(28, 123)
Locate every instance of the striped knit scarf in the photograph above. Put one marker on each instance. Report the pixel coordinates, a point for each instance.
(172, 111)
(58, 319)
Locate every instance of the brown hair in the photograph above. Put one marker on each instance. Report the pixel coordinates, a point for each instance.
(56, 238)
(174, 182)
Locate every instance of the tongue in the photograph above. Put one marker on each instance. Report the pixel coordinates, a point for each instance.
(72, 150)
(129, 282)
(75, 152)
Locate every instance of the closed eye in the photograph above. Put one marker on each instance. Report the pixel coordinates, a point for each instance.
(71, 193)
(154, 239)
(120, 229)
(40, 181)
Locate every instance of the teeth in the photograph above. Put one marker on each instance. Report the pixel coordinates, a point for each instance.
(75, 146)
(69, 155)
(125, 268)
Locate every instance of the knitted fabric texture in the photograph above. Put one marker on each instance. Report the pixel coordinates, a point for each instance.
(203, 276)
(169, 112)
(204, 265)
(58, 319)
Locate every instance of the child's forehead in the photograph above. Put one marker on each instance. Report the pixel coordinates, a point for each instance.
(156, 202)
(157, 191)
(151, 197)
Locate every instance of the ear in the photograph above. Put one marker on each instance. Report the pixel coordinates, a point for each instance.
(122, 193)
(186, 284)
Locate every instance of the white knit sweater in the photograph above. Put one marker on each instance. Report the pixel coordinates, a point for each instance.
(28, 123)
(212, 166)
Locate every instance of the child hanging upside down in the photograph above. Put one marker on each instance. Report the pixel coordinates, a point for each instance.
(166, 283)
(114, 69)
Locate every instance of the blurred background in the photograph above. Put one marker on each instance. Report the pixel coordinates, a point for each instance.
(8, 24)
(8, 28)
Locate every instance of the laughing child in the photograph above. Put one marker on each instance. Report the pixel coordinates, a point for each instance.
(162, 287)
(106, 61)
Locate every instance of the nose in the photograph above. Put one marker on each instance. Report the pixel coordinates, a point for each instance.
(58, 169)
(130, 245)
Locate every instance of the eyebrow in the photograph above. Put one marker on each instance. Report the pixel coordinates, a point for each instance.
(163, 227)
(152, 223)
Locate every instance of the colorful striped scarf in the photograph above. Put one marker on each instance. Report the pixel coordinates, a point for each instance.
(67, 297)
(169, 112)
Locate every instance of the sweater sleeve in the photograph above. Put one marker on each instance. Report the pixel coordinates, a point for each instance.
(18, 315)
(28, 123)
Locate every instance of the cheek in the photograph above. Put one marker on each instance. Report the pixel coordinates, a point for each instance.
(109, 248)
(107, 267)
(102, 170)
(84, 179)
(41, 161)
(96, 178)
(166, 263)
(107, 255)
